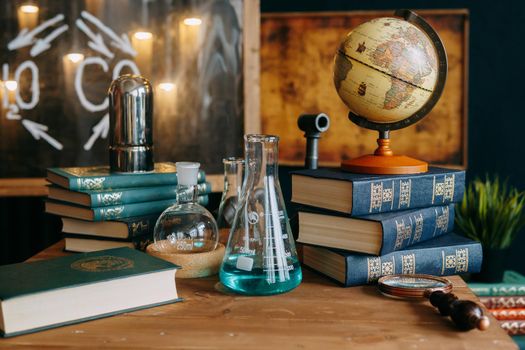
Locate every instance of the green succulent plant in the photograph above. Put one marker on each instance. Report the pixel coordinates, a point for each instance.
(491, 212)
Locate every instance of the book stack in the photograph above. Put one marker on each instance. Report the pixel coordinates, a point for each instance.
(356, 228)
(103, 210)
(505, 301)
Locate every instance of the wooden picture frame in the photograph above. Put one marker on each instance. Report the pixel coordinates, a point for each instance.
(250, 13)
(297, 51)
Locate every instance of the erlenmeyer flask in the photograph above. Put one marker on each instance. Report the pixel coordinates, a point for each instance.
(233, 171)
(261, 258)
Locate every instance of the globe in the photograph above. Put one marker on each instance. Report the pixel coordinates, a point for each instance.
(386, 70)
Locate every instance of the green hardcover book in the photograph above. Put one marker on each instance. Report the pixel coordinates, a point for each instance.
(46, 294)
(85, 244)
(111, 212)
(104, 198)
(99, 177)
(513, 285)
(125, 228)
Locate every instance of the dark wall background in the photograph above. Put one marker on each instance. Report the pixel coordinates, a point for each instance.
(496, 113)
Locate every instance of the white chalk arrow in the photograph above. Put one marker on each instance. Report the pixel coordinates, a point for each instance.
(26, 37)
(39, 131)
(122, 42)
(99, 130)
(97, 42)
(42, 45)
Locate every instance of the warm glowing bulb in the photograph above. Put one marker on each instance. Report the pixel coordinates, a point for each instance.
(192, 21)
(29, 8)
(167, 86)
(11, 85)
(143, 35)
(75, 57)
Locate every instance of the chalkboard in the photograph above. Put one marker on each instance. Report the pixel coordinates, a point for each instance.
(58, 58)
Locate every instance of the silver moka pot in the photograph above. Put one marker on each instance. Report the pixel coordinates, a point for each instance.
(131, 124)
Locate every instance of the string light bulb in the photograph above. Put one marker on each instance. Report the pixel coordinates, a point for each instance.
(143, 35)
(11, 85)
(192, 21)
(29, 9)
(167, 86)
(75, 57)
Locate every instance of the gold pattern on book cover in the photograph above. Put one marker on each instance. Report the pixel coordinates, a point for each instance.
(96, 183)
(457, 261)
(141, 226)
(403, 232)
(444, 189)
(442, 220)
(419, 220)
(111, 213)
(102, 264)
(387, 268)
(379, 194)
(374, 268)
(112, 198)
(408, 264)
(405, 189)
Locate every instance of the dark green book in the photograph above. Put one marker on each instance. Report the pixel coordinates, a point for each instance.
(104, 198)
(99, 177)
(85, 244)
(125, 228)
(46, 294)
(111, 212)
(513, 284)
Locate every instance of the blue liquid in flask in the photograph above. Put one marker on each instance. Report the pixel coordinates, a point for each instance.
(234, 274)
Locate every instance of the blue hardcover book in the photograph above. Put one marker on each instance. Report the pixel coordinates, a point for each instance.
(111, 212)
(362, 194)
(99, 177)
(55, 292)
(103, 198)
(376, 234)
(449, 254)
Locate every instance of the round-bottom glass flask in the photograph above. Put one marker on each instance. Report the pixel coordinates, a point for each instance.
(186, 227)
(261, 258)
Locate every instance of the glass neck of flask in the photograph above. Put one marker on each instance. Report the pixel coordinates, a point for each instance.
(262, 156)
(187, 194)
(233, 168)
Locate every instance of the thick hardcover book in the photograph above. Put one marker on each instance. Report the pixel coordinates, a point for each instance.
(124, 228)
(51, 293)
(449, 254)
(497, 289)
(111, 212)
(360, 194)
(508, 314)
(513, 327)
(377, 234)
(104, 198)
(507, 302)
(99, 177)
(84, 244)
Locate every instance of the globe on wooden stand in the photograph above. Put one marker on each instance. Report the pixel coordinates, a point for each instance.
(390, 72)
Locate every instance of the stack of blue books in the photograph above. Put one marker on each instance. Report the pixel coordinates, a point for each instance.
(356, 228)
(102, 210)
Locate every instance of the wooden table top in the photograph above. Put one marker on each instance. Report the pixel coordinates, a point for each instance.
(317, 315)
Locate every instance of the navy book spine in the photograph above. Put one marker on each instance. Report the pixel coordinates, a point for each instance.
(415, 226)
(438, 261)
(380, 196)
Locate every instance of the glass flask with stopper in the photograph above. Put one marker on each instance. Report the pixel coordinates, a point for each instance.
(233, 171)
(186, 227)
(261, 258)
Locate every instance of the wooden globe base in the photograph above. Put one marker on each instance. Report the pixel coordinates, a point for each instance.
(384, 162)
(193, 265)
